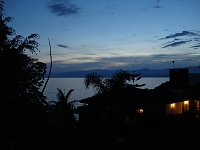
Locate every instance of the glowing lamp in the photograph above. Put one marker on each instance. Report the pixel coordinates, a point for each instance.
(140, 111)
(172, 105)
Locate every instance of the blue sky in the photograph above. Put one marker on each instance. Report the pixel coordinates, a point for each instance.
(111, 34)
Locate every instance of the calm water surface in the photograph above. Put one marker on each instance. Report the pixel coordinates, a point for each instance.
(80, 92)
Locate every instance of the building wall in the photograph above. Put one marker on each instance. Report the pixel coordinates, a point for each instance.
(180, 81)
(193, 79)
(179, 78)
(178, 108)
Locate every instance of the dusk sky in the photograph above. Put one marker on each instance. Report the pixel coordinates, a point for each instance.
(111, 34)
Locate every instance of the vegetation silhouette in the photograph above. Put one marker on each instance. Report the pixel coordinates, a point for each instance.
(64, 106)
(111, 120)
(120, 79)
(22, 104)
(113, 115)
(27, 119)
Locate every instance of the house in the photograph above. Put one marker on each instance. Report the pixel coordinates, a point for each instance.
(182, 106)
(121, 107)
(181, 94)
(186, 88)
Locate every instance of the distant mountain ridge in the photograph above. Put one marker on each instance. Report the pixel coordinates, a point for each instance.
(108, 73)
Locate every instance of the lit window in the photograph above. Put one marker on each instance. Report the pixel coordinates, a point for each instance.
(186, 102)
(186, 105)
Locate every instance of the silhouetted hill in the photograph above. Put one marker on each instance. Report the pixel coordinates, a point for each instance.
(108, 73)
(82, 73)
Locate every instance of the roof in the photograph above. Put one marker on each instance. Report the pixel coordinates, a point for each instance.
(128, 96)
(144, 97)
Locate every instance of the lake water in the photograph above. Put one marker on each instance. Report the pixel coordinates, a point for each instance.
(80, 92)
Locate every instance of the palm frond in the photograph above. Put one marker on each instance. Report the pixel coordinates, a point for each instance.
(60, 95)
(68, 95)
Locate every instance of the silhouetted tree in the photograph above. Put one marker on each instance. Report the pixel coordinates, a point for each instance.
(21, 76)
(97, 81)
(123, 79)
(120, 79)
(111, 112)
(63, 100)
(64, 106)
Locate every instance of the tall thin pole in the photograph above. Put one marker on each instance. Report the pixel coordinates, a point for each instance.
(49, 69)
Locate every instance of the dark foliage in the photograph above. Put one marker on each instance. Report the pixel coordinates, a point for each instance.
(120, 80)
(22, 105)
(21, 76)
(29, 122)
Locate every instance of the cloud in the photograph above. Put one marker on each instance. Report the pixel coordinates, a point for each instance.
(174, 40)
(196, 46)
(62, 46)
(174, 44)
(65, 8)
(157, 4)
(197, 39)
(181, 38)
(183, 33)
(125, 62)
